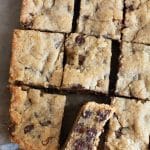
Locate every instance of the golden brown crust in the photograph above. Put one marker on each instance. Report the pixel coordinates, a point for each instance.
(13, 67)
(25, 3)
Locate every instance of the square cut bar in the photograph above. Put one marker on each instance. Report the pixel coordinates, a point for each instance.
(37, 58)
(48, 15)
(137, 22)
(129, 128)
(134, 71)
(88, 63)
(36, 118)
(89, 126)
(101, 17)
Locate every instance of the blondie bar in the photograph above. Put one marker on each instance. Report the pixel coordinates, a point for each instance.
(101, 17)
(137, 22)
(36, 119)
(88, 63)
(129, 128)
(50, 15)
(37, 58)
(134, 72)
(88, 126)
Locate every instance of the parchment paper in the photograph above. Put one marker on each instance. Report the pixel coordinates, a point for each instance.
(9, 20)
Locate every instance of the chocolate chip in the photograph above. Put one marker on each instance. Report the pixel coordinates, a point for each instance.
(27, 25)
(102, 115)
(80, 40)
(81, 59)
(45, 123)
(28, 128)
(86, 114)
(96, 8)
(41, 94)
(105, 61)
(91, 133)
(118, 133)
(31, 14)
(80, 144)
(69, 8)
(28, 103)
(79, 128)
(131, 7)
(36, 114)
(71, 57)
(11, 128)
(86, 17)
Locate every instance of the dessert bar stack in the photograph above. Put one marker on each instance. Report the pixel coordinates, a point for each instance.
(66, 45)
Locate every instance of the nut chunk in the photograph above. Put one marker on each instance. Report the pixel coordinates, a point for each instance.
(36, 119)
(134, 72)
(137, 21)
(37, 58)
(101, 17)
(50, 15)
(129, 128)
(88, 63)
(88, 126)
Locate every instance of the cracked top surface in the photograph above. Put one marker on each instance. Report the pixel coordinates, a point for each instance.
(36, 118)
(37, 58)
(88, 126)
(130, 126)
(53, 15)
(134, 73)
(88, 63)
(101, 17)
(137, 23)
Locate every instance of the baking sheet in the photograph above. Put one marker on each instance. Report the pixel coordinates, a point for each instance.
(9, 20)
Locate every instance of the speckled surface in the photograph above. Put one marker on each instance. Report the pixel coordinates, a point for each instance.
(9, 18)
